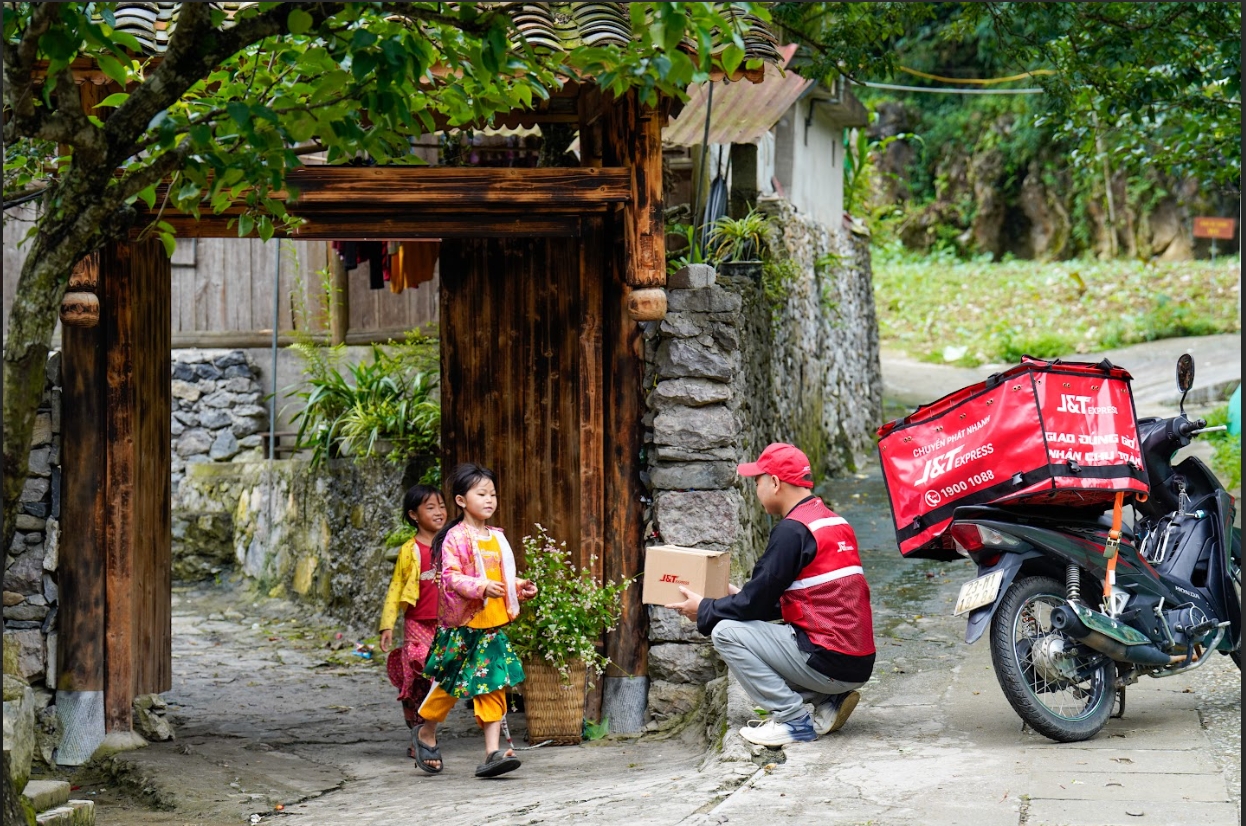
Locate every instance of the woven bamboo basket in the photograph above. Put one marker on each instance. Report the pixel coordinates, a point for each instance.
(554, 708)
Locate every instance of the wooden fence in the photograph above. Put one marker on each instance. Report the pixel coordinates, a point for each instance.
(223, 288)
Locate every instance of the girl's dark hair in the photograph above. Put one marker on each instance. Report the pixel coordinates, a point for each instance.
(463, 478)
(416, 495)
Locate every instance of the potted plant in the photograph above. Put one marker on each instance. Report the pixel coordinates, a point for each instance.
(386, 407)
(739, 240)
(557, 635)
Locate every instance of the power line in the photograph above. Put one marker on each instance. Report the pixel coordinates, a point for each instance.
(937, 91)
(973, 81)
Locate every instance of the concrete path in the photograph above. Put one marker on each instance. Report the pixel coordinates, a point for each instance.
(942, 746)
(1218, 369)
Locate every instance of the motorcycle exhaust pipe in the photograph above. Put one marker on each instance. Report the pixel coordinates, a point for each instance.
(1063, 619)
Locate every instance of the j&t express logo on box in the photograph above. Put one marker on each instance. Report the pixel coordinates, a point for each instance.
(1082, 405)
(673, 578)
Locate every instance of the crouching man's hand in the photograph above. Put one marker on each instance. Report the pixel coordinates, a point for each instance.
(690, 604)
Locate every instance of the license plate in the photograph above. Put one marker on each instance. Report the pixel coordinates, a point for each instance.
(978, 592)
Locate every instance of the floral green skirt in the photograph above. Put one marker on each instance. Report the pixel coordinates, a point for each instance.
(467, 662)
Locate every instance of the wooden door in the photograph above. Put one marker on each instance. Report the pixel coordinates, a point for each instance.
(521, 378)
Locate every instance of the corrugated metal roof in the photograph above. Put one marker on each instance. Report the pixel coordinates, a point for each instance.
(742, 112)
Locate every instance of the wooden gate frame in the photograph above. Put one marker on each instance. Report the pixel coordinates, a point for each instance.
(116, 541)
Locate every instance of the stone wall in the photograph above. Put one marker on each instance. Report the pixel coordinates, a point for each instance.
(328, 527)
(728, 371)
(30, 579)
(218, 417)
(218, 413)
(811, 374)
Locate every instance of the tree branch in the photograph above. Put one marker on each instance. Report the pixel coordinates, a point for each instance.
(19, 64)
(155, 172)
(195, 49)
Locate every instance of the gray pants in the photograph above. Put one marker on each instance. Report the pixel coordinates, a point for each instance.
(771, 667)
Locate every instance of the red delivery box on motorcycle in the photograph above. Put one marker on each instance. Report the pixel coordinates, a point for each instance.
(1043, 432)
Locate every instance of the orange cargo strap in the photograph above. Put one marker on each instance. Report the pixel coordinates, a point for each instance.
(1110, 550)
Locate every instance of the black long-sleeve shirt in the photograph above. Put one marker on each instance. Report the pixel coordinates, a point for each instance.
(790, 549)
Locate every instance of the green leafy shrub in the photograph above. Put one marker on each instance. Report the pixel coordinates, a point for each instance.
(691, 248)
(564, 622)
(386, 406)
(1167, 319)
(740, 239)
(1226, 458)
(1040, 345)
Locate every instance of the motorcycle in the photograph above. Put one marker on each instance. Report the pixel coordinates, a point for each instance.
(1170, 586)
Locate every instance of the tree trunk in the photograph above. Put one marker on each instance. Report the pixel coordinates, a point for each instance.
(13, 810)
(32, 319)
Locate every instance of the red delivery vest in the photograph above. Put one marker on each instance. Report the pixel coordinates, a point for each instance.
(830, 599)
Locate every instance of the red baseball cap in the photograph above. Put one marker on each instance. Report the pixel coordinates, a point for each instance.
(787, 462)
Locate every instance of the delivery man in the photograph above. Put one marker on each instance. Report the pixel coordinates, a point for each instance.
(810, 576)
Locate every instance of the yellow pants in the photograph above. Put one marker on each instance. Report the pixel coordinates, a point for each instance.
(489, 708)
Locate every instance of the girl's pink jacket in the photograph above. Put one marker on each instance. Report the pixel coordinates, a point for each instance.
(463, 579)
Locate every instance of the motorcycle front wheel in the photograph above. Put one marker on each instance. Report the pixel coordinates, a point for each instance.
(1061, 694)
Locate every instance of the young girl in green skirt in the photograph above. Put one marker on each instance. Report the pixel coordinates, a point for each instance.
(480, 593)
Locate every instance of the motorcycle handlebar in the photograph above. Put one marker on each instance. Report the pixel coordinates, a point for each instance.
(1189, 428)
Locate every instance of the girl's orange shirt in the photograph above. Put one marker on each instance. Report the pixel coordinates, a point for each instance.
(494, 613)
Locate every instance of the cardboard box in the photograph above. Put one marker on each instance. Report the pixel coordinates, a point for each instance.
(669, 566)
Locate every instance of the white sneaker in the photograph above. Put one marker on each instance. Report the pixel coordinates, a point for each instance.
(831, 715)
(774, 734)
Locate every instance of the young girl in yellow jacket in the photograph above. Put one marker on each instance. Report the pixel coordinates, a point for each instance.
(413, 593)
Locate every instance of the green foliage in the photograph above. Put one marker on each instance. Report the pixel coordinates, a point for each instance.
(596, 731)
(1013, 344)
(692, 252)
(1163, 78)
(777, 277)
(974, 312)
(1166, 318)
(565, 621)
(1149, 92)
(239, 99)
(381, 407)
(399, 536)
(728, 239)
(1226, 458)
(740, 239)
(853, 39)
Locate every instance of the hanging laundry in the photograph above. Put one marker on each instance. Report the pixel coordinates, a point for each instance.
(348, 252)
(374, 253)
(415, 263)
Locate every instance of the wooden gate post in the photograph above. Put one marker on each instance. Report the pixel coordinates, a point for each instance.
(632, 138)
(137, 332)
(116, 549)
(80, 567)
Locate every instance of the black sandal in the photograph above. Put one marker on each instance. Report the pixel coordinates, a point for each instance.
(425, 753)
(497, 763)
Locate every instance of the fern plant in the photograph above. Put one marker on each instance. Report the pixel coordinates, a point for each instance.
(740, 239)
(378, 407)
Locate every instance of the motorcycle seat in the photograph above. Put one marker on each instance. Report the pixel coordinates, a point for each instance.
(1085, 519)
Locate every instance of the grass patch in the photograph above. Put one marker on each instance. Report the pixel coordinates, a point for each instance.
(976, 312)
(1226, 459)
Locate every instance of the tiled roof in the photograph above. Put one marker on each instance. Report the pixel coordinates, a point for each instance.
(548, 27)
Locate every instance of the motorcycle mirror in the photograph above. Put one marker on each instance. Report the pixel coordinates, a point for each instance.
(1185, 377)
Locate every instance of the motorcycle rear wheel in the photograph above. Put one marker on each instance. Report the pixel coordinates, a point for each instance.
(1066, 698)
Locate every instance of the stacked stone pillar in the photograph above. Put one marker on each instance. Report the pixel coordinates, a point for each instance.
(30, 588)
(693, 377)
